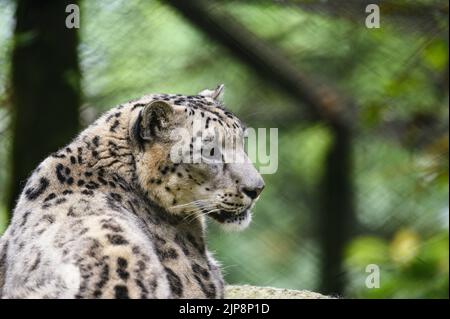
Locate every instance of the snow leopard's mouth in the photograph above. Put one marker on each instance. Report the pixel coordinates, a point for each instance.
(227, 217)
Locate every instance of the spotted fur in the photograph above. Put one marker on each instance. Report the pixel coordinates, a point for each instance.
(112, 216)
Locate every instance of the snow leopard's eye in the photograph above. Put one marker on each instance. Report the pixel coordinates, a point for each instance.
(212, 154)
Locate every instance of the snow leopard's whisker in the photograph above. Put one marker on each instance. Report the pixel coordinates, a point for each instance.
(202, 207)
(201, 212)
(208, 212)
(190, 217)
(192, 203)
(197, 212)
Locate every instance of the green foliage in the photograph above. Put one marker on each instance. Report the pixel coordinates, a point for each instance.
(3, 218)
(410, 267)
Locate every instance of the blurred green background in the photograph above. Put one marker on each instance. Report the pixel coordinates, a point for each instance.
(396, 75)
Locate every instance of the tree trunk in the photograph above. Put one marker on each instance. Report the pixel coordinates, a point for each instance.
(46, 86)
(337, 213)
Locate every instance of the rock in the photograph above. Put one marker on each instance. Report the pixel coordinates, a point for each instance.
(254, 292)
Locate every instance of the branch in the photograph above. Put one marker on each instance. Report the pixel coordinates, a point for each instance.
(323, 102)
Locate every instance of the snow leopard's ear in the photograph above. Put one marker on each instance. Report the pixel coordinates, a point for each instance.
(153, 119)
(216, 94)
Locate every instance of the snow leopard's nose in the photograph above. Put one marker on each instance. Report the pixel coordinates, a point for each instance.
(250, 182)
(253, 192)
